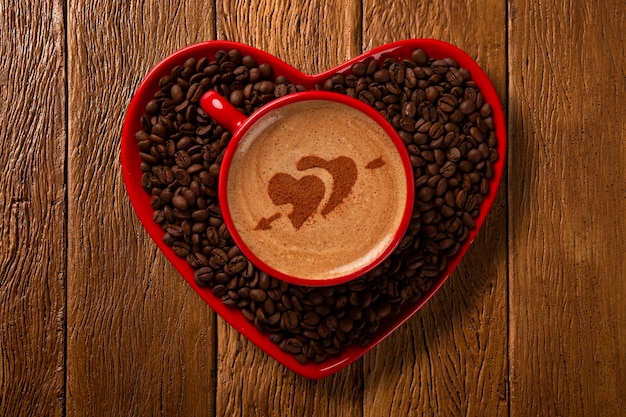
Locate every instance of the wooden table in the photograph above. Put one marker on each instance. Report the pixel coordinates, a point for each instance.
(94, 321)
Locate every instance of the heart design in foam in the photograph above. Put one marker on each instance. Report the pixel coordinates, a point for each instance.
(399, 51)
(304, 195)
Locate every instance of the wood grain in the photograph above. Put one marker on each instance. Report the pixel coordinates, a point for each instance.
(140, 341)
(450, 359)
(253, 384)
(312, 36)
(568, 194)
(32, 207)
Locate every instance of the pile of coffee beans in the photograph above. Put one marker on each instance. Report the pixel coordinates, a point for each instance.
(438, 112)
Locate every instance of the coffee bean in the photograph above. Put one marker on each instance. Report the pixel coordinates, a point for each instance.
(467, 107)
(204, 276)
(346, 324)
(372, 66)
(432, 93)
(292, 345)
(367, 97)
(218, 258)
(436, 130)
(448, 169)
(425, 193)
(419, 56)
(407, 124)
(258, 295)
(476, 134)
(381, 76)
(197, 260)
(460, 198)
(180, 202)
(290, 320)
(468, 220)
(178, 95)
(465, 166)
(359, 69)
(181, 248)
(440, 66)
(447, 103)
(194, 93)
(237, 264)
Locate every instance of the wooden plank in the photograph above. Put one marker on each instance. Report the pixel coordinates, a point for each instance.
(450, 359)
(312, 36)
(140, 341)
(568, 195)
(253, 384)
(32, 207)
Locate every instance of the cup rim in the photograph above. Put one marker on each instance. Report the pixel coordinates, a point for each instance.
(297, 97)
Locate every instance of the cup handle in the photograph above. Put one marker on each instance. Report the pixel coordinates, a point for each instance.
(222, 111)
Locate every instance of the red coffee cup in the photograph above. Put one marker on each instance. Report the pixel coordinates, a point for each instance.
(316, 188)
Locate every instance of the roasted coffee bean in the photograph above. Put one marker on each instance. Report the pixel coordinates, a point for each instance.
(237, 264)
(432, 93)
(180, 202)
(460, 198)
(381, 76)
(409, 109)
(436, 130)
(372, 66)
(448, 169)
(467, 107)
(465, 166)
(237, 98)
(311, 319)
(447, 103)
(197, 260)
(407, 124)
(359, 69)
(290, 320)
(292, 345)
(419, 56)
(474, 156)
(425, 193)
(258, 295)
(440, 66)
(218, 258)
(194, 93)
(181, 248)
(178, 95)
(484, 186)
(204, 276)
(367, 97)
(468, 220)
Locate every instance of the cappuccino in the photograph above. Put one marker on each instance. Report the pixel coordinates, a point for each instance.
(316, 190)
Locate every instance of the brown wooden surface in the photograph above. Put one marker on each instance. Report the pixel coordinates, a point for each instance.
(567, 221)
(33, 248)
(95, 322)
(138, 342)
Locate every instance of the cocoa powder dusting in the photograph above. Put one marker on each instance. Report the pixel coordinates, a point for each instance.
(344, 173)
(376, 163)
(304, 194)
(266, 223)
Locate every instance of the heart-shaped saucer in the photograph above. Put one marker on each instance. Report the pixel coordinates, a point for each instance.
(140, 199)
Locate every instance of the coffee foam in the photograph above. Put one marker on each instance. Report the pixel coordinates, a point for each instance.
(318, 134)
